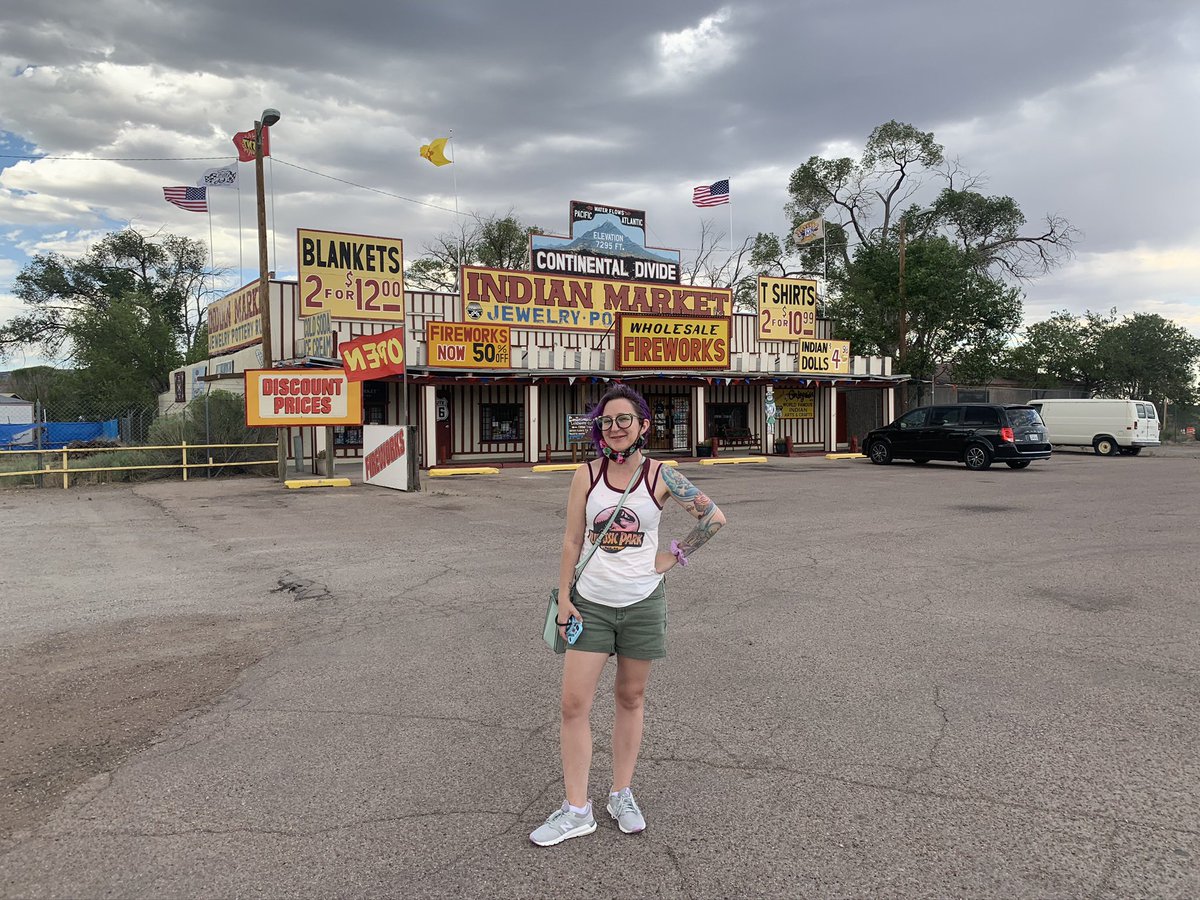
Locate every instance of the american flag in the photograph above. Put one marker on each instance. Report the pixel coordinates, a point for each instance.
(194, 199)
(711, 194)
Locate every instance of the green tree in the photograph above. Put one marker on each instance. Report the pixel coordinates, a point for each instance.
(498, 242)
(1064, 348)
(963, 251)
(124, 314)
(1148, 357)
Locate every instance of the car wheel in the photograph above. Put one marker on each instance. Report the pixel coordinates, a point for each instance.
(920, 460)
(1019, 463)
(880, 453)
(1106, 446)
(977, 457)
(1134, 451)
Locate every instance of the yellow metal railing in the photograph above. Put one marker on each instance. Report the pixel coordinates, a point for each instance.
(66, 471)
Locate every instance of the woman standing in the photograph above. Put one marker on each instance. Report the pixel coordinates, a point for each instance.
(619, 598)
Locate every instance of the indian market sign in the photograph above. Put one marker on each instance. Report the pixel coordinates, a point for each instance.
(605, 241)
(374, 355)
(824, 357)
(354, 276)
(234, 321)
(285, 397)
(787, 309)
(529, 300)
(661, 343)
(385, 456)
(796, 403)
(465, 345)
(318, 335)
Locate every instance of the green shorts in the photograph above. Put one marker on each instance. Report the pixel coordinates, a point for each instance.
(638, 631)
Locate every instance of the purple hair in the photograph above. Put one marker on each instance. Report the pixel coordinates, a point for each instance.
(617, 392)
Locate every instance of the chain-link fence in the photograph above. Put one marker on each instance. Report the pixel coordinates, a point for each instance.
(148, 440)
(924, 393)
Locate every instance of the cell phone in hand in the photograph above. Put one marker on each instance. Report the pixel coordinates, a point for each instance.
(574, 629)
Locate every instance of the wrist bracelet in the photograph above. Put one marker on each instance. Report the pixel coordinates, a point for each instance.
(677, 551)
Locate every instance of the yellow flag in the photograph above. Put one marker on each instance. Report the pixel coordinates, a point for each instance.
(435, 152)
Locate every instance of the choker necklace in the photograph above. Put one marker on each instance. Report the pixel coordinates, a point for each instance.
(619, 456)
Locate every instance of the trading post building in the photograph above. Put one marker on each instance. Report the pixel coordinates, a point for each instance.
(505, 370)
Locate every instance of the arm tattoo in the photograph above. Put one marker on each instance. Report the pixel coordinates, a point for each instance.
(694, 501)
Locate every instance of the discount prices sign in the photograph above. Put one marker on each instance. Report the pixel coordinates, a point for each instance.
(787, 309)
(354, 276)
(374, 355)
(283, 397)
(464, 345)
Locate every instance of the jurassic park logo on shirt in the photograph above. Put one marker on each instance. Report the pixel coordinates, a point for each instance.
(625, 532)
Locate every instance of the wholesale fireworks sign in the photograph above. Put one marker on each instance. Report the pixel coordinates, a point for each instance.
(606, 241)
(787, 309)
(234, 321)
(465, 345)
(284, 397)
(354, 276)
(660, 343)
(529, 300)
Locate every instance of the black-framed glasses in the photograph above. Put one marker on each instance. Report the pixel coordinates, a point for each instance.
(624, 420)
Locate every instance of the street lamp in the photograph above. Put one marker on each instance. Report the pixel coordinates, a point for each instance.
(268, 118)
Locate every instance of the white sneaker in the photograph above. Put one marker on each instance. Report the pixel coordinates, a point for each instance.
(625, 810)
(563, 825)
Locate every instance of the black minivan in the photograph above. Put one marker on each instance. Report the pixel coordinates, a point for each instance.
(974, 433)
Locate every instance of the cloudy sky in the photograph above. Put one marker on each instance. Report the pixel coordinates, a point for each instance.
(1082, 108)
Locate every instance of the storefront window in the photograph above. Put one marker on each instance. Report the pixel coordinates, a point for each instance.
(502, 423)
(374, 403)
(728, 420)
(347, 436)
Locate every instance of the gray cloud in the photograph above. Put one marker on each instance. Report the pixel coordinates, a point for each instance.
(1078, 108)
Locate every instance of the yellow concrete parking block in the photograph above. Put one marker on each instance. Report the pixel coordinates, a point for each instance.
(297, 483)
(476, 470)
(733, 461)
(844, 456)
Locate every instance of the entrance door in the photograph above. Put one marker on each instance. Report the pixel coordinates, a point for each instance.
(670, 423)
(843, 421)
(444, 430)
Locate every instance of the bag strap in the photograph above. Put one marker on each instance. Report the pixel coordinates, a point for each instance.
(616, 512)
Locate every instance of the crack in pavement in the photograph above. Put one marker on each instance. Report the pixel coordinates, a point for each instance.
(943, 725)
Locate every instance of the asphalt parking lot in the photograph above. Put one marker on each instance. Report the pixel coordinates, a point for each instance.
(882, 681)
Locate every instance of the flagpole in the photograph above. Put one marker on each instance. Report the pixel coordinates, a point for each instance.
(731, 222)
(212, 262)
(239, 193)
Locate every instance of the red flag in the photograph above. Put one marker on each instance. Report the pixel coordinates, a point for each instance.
(244, 142)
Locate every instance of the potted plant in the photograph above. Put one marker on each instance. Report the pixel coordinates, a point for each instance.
(704, 448)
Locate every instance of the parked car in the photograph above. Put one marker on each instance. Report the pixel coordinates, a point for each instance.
(1109, 427)
(973, 433)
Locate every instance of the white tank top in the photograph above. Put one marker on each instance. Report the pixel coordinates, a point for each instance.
(621, 572)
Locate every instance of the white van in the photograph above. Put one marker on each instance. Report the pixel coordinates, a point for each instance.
(1107, 426)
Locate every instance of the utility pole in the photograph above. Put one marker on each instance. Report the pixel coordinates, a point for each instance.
(902, 338)
(269, 118)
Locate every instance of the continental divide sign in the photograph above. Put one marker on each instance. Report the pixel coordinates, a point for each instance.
(530, 300)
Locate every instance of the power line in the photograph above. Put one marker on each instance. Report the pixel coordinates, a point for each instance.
(210, 158)
(117, 158)
(366, 188)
